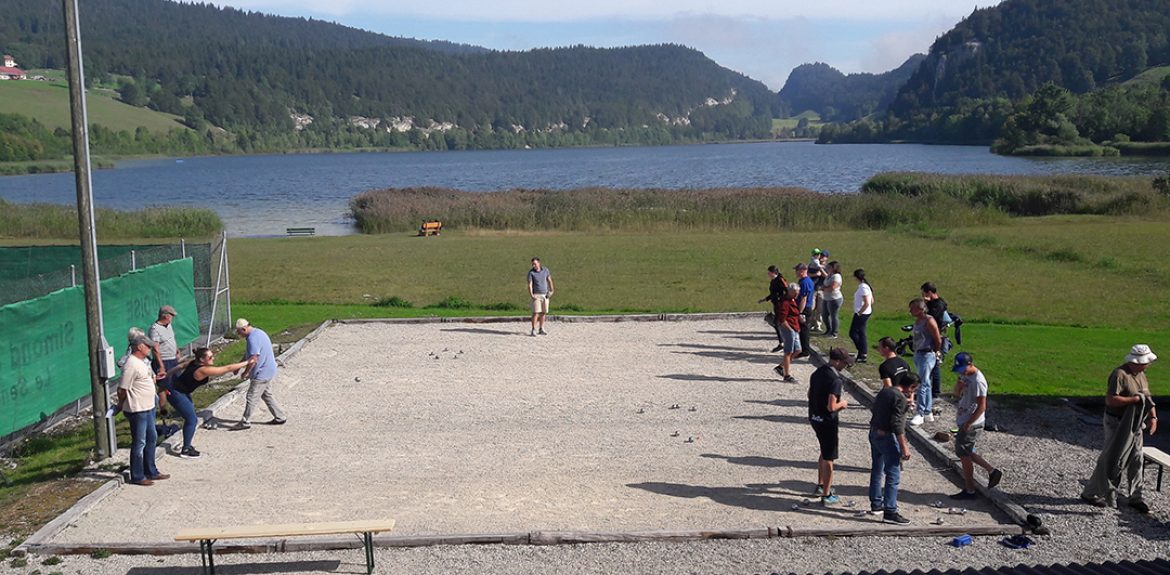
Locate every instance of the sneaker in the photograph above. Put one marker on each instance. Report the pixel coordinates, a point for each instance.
(830, 499)
(862, 359)
(1139, 506)
(777, 348)
(532, 333)
(894, 517)
(779, 371)
(876, 510)
(965, 495)
(1094, 501)
(994, 478)
(542, 332)
(789, 379)
(819, 491)
(160, 477)
(277, 422)
(189, 453)
(244, 425)
(929, 418)
(917, 420)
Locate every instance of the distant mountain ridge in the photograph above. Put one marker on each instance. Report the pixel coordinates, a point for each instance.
(286, 82)
(838, 97)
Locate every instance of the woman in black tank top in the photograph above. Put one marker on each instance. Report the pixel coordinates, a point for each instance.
(195, 374)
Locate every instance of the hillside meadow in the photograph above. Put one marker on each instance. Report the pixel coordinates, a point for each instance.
(48, 102)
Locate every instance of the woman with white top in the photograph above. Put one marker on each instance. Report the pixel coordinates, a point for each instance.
(833, 298)
(862, 308)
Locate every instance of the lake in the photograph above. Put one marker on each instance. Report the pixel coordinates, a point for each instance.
(263, 195)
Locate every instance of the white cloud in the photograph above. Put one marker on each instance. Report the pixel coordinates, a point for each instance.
(890, 50)
(572, 10)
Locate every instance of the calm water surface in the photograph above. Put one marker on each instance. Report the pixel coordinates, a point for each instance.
(262, 195)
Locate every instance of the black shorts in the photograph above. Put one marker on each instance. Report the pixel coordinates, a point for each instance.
(827, 438)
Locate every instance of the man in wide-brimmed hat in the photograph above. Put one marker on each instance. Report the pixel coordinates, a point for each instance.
(1129, 408)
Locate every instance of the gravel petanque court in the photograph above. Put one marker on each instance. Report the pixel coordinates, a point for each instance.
(461, 428)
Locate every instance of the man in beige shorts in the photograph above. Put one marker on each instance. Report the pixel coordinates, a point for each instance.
(540, 289)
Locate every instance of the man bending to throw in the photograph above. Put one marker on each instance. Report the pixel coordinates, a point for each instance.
(540, 289)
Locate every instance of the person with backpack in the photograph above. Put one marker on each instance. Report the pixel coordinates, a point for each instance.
(777, 293)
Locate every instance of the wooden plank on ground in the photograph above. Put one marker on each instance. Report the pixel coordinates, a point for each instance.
(286, 530)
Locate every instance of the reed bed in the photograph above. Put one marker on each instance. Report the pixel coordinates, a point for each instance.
(1029, 195)
(51, 221)
(647, 210)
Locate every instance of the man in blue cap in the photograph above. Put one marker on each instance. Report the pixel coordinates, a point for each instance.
(970, 414)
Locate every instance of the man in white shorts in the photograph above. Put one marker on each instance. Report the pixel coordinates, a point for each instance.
(540, 289)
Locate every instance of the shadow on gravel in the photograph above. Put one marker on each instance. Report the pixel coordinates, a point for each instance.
(733, 356)
(783, 495)
(744, 335)
(779, 402)
(761, 461)
(485, 331)
(253, 568)
(697, 377)
(798, 419)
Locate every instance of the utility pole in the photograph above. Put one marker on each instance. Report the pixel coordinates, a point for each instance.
(85, 219)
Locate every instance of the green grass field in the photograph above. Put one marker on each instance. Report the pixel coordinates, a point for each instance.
(48, 102)
(1051, 304)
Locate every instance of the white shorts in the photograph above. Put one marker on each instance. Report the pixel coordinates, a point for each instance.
(540, 303)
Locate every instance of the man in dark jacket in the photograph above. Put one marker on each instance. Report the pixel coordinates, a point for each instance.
(777, 293)
(888, 447)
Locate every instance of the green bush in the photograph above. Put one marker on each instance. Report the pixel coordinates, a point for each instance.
(501, 306)
(393, 301)
(453, 302)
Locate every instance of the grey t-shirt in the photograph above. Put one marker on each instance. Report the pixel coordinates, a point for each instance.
(976, 388)
(165, 336)
(539, 280)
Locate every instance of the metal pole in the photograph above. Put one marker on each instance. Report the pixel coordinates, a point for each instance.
(227, 281)
(85, 218)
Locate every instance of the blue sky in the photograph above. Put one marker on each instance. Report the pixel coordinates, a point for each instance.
(764, 39)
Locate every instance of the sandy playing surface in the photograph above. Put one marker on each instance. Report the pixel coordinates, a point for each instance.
(478, 428)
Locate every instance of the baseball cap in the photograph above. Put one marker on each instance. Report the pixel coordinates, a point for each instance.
(816, 251)
(242, 323)
(840, 354)
(962, 360)
(139, 340)
(167, 310)
(825, 253)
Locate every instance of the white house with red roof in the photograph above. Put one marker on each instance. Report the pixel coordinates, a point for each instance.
(9, 71)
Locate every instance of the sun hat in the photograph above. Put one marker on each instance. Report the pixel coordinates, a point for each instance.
(1140, 354)
(962, 360)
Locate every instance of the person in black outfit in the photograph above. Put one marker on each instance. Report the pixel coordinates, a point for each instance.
(194, 375)
(777, 292)
(936, 307)
(893, 368)
(825, 391)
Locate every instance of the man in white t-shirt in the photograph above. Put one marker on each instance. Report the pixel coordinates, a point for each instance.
(971, 391)
(136, 396)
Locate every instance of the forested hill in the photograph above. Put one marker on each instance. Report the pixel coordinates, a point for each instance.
(840, 98)
(1011, 50)
(282, 82)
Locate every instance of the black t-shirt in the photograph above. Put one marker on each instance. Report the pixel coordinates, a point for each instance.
(824, 381)
(936, 308)
(893, 369)
(185, 382)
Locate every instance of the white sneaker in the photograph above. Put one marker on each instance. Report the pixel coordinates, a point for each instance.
(930, 418)
(917, 420)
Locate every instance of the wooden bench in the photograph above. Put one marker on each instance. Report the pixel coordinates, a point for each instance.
(207, 537)
(431, 228)
(1155, 456)
(303, 232)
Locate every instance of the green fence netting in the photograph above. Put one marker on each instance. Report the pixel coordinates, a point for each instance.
(44, 358)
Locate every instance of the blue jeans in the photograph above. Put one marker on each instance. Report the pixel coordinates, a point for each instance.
(857, 333)
(143, 441)
(168, 365)
(887, 464)
(924, 362)
(186, 408)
